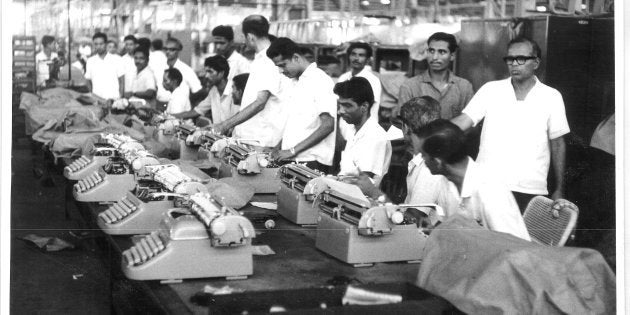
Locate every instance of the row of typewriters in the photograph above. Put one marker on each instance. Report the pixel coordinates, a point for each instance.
(179, 220)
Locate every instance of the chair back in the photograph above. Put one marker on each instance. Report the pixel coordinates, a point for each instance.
(546, 229)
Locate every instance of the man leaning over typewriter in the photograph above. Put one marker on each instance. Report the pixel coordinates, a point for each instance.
(442, 173)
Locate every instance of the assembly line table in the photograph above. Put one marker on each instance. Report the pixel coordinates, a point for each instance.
(296, 264)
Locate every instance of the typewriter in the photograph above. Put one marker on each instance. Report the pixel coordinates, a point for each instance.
(295, 204)
(206, 150)
(110, 145)
(117, 177)
(246, 164)
(204, 240)
(188, 150)
(356, 231)
(141, 210)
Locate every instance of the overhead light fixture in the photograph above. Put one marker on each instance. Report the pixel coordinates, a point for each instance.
(541, 8)
(365, 3)
(386, 2)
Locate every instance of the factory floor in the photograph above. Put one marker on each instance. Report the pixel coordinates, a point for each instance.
(70, 281)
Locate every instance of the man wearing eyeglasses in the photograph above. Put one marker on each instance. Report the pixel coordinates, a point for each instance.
(172, 48)
(439, 82)
(524, 125)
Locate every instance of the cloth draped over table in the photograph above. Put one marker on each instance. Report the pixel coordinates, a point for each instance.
(487, 272)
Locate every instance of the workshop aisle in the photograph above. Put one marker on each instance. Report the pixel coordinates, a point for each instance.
(70, 281)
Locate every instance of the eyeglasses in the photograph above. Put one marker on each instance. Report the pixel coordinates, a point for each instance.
(520, 60)
(171, 49)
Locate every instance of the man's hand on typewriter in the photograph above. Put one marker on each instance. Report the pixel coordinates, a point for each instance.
(366, 185)
(220, 128)
(561, 203)
(281, 155)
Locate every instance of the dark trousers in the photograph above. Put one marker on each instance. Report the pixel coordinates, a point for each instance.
(522, 200)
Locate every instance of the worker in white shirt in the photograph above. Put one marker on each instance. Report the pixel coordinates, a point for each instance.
(261, 118)
(179, 101)
(219, 99)
(238, 87)
(44, 59)
(308, 135)
(223, 39)
(359, 55)
(143, 85)
(104, 71)
(367, 151)
(128, 60)
(173, 47)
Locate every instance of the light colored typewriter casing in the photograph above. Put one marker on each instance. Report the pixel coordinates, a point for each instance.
(293, 203)
(113, 187)
(87, 165)
(265, 182)
(207, 141)
(134, 216)
(349, 243)
(189, 251)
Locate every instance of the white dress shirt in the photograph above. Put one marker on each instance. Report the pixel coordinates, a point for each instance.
(307, 98)
(130, 71)
(267, 125)
(367, 150)
(484, 198)
(375, 83)
(104, 74)
(515, 135)
(221, 106)
(143, 81)
(189, 78)
(179, 102)
(238, 64)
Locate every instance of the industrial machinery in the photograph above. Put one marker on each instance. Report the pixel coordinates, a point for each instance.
(205, 240)
(109, 145)
(294, 203)
(246, 164)
(142, 210)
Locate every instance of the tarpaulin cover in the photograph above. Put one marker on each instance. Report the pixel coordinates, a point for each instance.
(49, 104)
(487, 272)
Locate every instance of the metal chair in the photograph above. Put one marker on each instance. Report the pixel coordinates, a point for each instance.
(546, 229)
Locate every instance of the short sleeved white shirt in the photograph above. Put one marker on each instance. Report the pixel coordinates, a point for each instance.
(189, 78)
(368, 150)
(484, 198)
(266, 126)
(422, 186)
(310, 96)
(143, 81)
(220, 105)
(43, 66)
(130, 71)
(238, 64)
(515, 135)
(375, 83)
(104, 74)
(179, 102)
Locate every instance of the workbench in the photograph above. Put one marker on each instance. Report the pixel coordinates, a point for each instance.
(296, 264)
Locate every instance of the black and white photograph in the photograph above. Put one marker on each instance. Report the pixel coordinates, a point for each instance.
(314, 156)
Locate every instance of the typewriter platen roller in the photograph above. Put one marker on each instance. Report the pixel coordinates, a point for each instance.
(353, 230)
(205, 240)
(294, 203)
(142, 210)
(110, 145)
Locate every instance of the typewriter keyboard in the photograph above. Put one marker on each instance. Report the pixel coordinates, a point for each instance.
(118, 211)
(147, 248)
(88, 182)
(78, 164)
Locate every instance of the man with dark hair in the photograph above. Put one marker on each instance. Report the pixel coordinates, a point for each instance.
(260, 117)
(308, 135)
(143, 85)
(223, 38)
(468, 187)
(219, 99)
(45, 59)
(190, 79)
(359, 55)
(129, 64)
(238, 86)
(112, 47)
(523, 128)
(179, 101)
(367, 151)
(104, 72)
(330, 65)
(439, 82)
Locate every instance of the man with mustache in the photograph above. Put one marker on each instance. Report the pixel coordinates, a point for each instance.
(439, 82)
